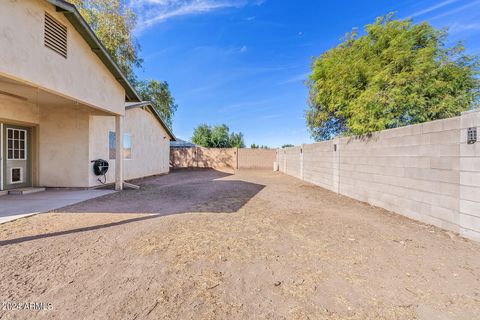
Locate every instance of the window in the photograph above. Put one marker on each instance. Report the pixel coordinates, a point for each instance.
(112, 144)
(127, 145)
(16, 144)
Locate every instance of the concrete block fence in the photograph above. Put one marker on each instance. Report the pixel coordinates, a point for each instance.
(427, 172)
(232, 158)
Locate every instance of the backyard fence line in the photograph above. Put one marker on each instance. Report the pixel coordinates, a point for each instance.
(222, 158)
(428, 172)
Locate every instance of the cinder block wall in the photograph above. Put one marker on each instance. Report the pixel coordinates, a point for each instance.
(256, 158)
(427, 172)
(293, 161)
(203, 157)
(233, 158)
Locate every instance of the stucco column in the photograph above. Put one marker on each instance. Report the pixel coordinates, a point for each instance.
(119, 153)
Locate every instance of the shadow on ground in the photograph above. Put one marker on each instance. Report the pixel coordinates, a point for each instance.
(179, 192)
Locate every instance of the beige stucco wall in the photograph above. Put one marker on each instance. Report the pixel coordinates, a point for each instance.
(82, 76)
(18, 111)
(150, 145)
(63, 146)
(427, 172)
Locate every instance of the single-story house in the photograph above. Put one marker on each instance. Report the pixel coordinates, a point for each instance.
(65, 103)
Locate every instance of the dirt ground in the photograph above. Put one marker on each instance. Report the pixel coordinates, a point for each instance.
(254, 245)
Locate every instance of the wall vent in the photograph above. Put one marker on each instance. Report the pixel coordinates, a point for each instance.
(471, 135)
(55, 35)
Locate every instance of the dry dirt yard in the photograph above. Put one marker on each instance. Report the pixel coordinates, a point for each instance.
(254, 245)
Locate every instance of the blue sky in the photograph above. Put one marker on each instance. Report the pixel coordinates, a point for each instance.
(243, 62)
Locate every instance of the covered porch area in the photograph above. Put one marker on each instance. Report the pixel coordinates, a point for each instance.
(45, 138)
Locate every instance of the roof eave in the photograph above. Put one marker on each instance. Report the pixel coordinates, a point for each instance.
(76, 19)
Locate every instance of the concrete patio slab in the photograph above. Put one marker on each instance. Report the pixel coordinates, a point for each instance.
(18, 206)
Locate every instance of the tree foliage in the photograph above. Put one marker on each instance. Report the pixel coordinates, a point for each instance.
(287, 146)
(114, 23)
(398, 73)
(217, 137)
(160, 96)
(257, 146)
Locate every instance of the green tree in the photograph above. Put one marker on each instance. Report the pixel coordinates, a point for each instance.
(162, 99)
(220, 137)
(113, 23)
(217, 137)
(397, 73)
(236, 140)
(257, 146)
(202, 135)
(287, 146)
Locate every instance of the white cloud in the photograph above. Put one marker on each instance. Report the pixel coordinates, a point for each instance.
(243, 49)
(456, 10)
(459, 27)
(432, 8)
(299, 78)
(151, 12)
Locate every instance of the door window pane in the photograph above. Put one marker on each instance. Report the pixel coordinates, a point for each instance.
(16, 144)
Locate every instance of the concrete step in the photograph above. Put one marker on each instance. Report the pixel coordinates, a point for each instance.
(23, 191)
(3, 193)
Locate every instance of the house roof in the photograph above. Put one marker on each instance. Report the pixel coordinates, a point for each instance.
(148, 104)
(179, 143)
(76, 19)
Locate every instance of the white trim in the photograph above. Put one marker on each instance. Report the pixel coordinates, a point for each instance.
(25, 147)
(1, 156)
(21, 175)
